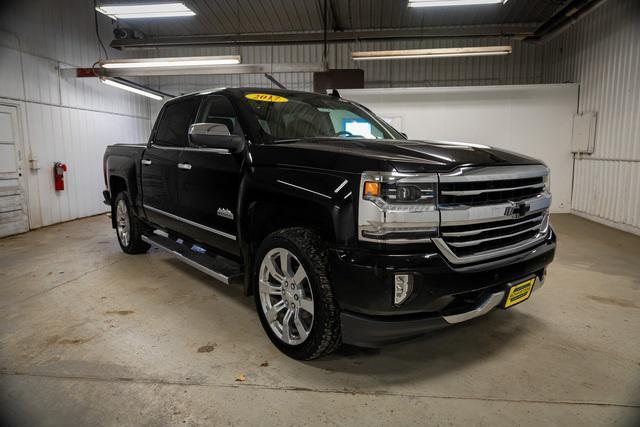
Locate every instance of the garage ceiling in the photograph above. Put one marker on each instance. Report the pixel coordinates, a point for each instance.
(239, 17)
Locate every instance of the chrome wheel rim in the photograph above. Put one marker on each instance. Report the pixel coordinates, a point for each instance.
(286, 296)
(122, 223)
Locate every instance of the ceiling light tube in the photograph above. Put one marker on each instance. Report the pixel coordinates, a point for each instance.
(431, 53)
(149, 10)
(129, 88)
(174, 62)
(440, 3)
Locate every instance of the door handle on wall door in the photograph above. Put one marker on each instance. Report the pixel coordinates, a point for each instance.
(185, 166)
(145, 162)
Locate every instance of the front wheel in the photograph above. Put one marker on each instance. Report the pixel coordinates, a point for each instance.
(128, 227)
(294, 296)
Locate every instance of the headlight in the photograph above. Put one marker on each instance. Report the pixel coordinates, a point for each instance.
(385, 194)
(398, 208)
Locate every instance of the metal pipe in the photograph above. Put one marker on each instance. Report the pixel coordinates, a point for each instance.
(516, 31)
(567, 16)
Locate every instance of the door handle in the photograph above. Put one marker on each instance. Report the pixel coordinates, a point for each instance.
(145, 162)
(185, 166)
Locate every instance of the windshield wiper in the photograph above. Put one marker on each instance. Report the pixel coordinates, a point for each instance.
(316, 138)
(285, 141)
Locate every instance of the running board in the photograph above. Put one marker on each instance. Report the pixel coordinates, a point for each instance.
(218, 267)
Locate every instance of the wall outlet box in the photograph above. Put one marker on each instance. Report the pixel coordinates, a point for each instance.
(583, 138)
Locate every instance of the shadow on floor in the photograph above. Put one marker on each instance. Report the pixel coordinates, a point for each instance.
(232, 291)
(438, 353)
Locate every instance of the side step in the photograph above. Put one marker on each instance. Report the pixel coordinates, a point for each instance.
(216, 266)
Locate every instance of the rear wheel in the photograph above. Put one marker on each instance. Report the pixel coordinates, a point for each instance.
(128, 227)
(293, 294)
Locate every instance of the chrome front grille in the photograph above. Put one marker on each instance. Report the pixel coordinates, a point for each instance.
(471, 239)
(476, 193)
(492, 212)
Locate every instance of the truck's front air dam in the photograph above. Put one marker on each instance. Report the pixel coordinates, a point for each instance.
(373, 332)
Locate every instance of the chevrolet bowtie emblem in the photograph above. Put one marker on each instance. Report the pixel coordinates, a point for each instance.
(517, 209)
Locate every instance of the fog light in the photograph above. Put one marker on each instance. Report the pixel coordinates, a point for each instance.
(402, 289)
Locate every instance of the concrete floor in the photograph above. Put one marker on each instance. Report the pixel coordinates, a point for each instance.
(90, 335)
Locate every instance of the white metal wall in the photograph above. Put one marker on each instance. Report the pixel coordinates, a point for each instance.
(602, 53)
(507, 116)
(64, 118)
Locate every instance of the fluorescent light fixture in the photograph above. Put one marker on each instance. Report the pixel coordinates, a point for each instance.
(439, 3)
(431, 53)
(148, 10)
(130, 88)
(175, 62)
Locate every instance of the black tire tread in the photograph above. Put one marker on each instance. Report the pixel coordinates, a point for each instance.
(136, 244)
(315, 249)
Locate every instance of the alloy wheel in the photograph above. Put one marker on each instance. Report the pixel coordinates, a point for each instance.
(122, 223)
(286, 296)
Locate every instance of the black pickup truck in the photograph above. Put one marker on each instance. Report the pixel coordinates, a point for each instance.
(342, 228)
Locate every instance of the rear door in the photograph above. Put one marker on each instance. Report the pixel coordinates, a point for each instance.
(13, 206)
(160, 161)
(210, 183)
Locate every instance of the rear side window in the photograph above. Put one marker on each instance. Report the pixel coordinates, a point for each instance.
(218, 109)
(174, 123)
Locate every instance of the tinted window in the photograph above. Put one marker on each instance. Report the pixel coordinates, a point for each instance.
(175, 121)
(218, 109)
(305, 115)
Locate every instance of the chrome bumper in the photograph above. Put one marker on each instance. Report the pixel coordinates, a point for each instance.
(491, 302)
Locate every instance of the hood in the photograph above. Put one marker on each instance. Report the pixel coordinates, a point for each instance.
(358, 155)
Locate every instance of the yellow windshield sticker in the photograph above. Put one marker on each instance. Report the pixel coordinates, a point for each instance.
(265, 97)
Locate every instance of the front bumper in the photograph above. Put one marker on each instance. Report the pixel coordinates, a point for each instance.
(442, 293)
(377, 331)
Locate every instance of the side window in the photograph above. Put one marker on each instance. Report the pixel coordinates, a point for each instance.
(174, 123)
(218, 109)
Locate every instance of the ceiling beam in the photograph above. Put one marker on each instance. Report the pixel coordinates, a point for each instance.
(517, 31)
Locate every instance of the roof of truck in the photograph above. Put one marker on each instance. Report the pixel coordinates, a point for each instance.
(269, 90)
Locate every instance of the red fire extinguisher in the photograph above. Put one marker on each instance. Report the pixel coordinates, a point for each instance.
(59, 169)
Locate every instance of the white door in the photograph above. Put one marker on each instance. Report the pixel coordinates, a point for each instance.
(13, 207)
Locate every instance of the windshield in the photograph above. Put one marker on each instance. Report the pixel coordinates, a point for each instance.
(306, 115)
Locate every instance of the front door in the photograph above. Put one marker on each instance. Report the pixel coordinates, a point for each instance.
(161, 160)
(13, 206)
(209, 187)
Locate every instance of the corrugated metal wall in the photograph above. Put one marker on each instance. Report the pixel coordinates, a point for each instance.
(65, 118)
(523, 67)
(602, 53)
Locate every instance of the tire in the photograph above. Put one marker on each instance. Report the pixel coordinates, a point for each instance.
(128, 227)
(310, 299)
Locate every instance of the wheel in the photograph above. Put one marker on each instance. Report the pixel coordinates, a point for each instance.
(128, 227)
(294, 296)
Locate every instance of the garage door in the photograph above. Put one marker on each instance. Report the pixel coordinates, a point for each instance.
(13, 210)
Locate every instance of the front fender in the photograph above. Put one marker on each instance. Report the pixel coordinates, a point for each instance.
(319, 199)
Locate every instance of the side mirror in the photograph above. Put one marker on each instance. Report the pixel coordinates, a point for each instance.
(215, 135)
